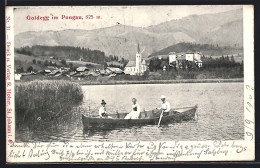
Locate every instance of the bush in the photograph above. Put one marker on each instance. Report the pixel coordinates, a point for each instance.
(46, 63)
(30, 69)
(34, 61)
(63, 62)
(39, 62)
(201, 76)
(46, 100)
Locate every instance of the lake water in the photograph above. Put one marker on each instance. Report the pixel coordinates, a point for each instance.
(220, 113)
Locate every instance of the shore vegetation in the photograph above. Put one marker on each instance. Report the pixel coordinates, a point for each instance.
(40, 104)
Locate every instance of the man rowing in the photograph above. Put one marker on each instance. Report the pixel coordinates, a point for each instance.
(165, 107)
(134, 114)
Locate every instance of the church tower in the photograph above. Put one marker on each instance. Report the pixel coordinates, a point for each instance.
(138, 59)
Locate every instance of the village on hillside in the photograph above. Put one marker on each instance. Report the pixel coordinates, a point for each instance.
(174, 61)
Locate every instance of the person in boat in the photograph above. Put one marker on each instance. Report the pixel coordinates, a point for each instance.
(102, 110)
(135, 113)
(165, 107)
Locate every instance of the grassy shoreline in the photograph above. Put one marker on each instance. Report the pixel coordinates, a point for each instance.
(42, 103)
(110, 82)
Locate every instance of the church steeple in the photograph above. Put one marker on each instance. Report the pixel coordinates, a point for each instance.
(138, 48)
(138, 60)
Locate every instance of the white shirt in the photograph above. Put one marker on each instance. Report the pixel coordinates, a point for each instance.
(136, 107)
(166, 106)
(101, 111)
(134, 114)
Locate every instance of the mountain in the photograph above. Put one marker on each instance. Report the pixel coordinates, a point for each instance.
(222, 29)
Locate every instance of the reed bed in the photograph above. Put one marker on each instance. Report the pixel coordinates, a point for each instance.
(40, 104)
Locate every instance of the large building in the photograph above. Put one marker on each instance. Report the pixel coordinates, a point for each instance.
(178, 58)
(137, 67)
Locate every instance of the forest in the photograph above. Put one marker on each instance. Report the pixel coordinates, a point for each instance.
(69, 53)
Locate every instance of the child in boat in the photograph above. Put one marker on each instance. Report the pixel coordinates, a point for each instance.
(135, 113)
(102, 110)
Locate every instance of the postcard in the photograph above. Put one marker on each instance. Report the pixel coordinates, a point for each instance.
(147, 83)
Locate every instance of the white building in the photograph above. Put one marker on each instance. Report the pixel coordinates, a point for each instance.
(172, 57)
(189, 56)
(197, 55)
(82, 69)
(17, 76)
(113, 70)
(177, 58)
(137, 67)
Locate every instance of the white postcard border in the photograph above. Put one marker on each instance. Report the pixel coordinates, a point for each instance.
(236, 150)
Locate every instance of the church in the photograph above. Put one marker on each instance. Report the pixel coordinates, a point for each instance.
(137, 67)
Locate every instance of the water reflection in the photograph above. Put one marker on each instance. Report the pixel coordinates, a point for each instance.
(93, 132)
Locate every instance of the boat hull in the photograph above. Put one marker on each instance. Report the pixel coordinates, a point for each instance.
(146, 118)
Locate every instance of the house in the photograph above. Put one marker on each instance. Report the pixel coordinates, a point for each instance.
(130, 68)
(112, 75)
(72, 73)
(64, 69)
(47, 71)
(82, 69)
(172, 57)
(112, 70)
(58, 74)
(54, 72)
(177, 59)
(137, 67)
(92, 73)
(197, 55)
(189, 56)
(78, 75)
(102, 72)
(83, 74)
(17, 76)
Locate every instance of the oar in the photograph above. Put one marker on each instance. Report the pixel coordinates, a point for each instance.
(160, 118)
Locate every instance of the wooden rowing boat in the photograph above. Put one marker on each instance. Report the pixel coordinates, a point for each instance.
(146, 118)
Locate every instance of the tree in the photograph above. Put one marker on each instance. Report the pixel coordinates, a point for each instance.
(70, 65)
(46, 63)
(105, 65)
(63, 62)
(114, 58)
(110, 58)
(20, 70)
(34, 61)
(232, 61)
(30, 69)
(39, 62)
(242, 67)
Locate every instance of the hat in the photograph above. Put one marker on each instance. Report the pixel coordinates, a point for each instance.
(103, 102)
(163, 97)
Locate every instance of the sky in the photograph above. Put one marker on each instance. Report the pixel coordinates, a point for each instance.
(139, 16)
